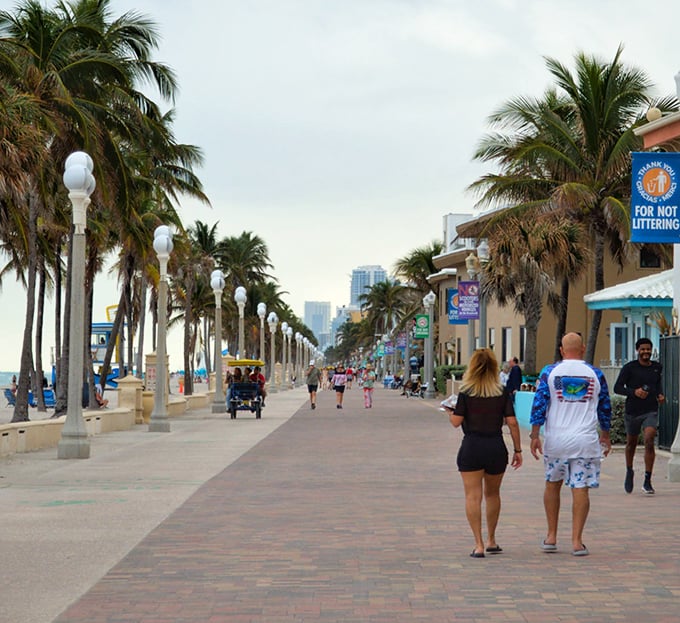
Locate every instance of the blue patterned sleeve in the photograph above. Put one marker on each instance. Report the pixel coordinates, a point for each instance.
(541, 399)
(604, 405)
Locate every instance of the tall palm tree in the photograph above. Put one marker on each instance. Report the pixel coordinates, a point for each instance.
(526, 255)
(570, 151)
(416, 266)
(384, 302)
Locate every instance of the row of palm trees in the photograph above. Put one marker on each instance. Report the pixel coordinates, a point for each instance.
(77, 77)
(389, 305)
(562, 187)
(561, 197)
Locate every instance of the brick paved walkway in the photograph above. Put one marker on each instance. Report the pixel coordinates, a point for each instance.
(357, 516)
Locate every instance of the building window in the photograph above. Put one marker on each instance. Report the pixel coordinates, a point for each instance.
(459, 348)
(522, 342)
(506, 343)
(649, 258)
(492, 338)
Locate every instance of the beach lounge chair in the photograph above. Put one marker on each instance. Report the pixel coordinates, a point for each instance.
(11, 399)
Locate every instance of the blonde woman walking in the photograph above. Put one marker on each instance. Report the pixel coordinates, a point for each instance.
(483, 406)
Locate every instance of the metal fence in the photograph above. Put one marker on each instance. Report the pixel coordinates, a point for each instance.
(669, 347)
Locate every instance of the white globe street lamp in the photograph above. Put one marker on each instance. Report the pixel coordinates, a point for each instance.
(80, 182)
(284, 363)
(217, 284)
(262, 312)
(162, 244)
(289, 335)
(298, 357)
(272, 321)
(241, 297)
(428, 302)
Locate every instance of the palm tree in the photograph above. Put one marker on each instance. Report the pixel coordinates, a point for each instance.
(418, 265)
(385, 303)
(526, 255)
(569, 151)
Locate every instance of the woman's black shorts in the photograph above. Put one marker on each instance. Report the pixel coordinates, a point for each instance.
(487, 453)
(340, 389)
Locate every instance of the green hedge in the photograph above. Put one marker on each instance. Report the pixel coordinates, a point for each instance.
(443, 373)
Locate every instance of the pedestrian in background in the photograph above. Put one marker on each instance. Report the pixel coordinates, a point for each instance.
(368, 384)
(514, 382)
(313, 378)
(640, 382)
(571, 399)
(483, 406)
(338, 382)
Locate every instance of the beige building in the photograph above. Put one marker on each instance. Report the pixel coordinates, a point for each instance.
(505, 331)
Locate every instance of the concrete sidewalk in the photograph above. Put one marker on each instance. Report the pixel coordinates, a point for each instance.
(64, 524)
(348, 515)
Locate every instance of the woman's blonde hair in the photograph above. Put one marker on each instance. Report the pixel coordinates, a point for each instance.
(481, 377)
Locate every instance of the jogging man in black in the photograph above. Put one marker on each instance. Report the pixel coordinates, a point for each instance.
(640, 382)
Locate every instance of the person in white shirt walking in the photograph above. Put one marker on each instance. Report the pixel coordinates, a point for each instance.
(572, 399)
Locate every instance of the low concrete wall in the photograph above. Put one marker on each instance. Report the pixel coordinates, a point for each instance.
(197, 401)
(19, 437)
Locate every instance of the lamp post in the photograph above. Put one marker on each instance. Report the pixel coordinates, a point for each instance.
(262, 312)
(472, 267)
(240, 297)
(289, 335)
(428, 303)
(284, 363)
(217, 284)
(483, 256)
(272, 321)
(80, 182)
(298, 355)
(162, 244)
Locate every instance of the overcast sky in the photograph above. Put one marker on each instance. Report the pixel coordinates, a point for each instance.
(341, 131)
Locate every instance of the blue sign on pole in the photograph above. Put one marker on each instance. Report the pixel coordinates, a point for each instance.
(452, 306)
(654, 199)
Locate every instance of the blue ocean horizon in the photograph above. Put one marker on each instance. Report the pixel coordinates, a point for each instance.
(6, 378)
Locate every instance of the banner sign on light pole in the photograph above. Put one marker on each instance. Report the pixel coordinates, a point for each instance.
(422, 328)
(654, 199)
(452, 306)
(468, 300)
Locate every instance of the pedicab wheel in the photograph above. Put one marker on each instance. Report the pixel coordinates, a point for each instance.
(258, 411)
(232, 412)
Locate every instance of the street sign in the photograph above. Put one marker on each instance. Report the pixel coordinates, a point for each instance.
(422, 328)
(654, 215)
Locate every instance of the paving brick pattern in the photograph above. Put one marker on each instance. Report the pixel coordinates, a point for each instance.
(357, 515)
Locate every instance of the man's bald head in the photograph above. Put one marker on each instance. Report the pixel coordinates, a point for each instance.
(572, 346)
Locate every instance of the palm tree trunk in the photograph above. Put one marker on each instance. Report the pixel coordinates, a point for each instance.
(61, 405)
(21, 407)
(115, 330)
(40, 318)
(57, 313)
(599, 285)
(139, 363)
(561, 327)
(188, 377)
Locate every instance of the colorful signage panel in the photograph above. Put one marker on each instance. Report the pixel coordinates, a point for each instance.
(654, 215)
(452, 306)
(422, 327)
(468, 300)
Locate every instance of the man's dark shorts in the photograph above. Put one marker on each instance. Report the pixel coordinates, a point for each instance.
(312, 388)
(636, 423)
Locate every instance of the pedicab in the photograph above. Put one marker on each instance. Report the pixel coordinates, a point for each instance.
(244, 395)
